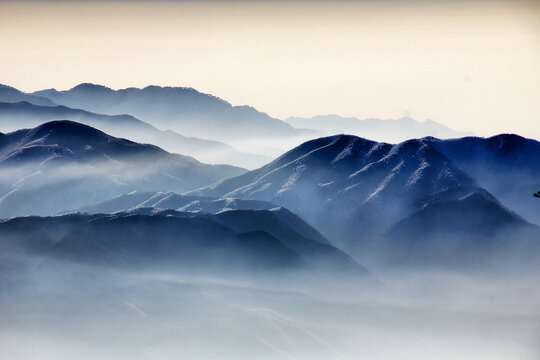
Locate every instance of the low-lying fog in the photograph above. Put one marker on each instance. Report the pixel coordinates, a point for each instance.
(59, 311)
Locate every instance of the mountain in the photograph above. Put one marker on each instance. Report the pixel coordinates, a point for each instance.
(356, 190)
(9, 94)
(24, 114)
(507, 165)
(184, 110)
(170, 200)
(473, 229)
(346, 175)
(392, 131)
(62, 165)
(170, 239)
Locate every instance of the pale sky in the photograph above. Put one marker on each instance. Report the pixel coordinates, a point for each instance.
(469, 65)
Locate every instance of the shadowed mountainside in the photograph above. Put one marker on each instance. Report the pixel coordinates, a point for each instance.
(169, 239)
(507, 165)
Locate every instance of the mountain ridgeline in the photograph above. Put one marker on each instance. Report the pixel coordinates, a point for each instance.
(230, 241)
(180, 109)
(23, 114)
(424, 200)
(378, 198)
(62, 165)
(391, 130)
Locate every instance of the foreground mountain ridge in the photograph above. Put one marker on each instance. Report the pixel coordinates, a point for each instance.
(172, 239)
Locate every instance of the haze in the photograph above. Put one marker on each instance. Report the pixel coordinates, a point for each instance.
(473, 66)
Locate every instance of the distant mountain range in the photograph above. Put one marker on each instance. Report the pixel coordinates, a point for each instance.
(62, 165)
(16, 115)
(361, 193)
(231, 241)
(186, 113)
(9, 94)
(391, 131)
(184, 110)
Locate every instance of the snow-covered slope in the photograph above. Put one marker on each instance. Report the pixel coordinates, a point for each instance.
(330, 179)
(63, 165)
(355, 190)
(169, 200)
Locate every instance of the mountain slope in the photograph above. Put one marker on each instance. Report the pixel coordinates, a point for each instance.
(184, 110)
(392, 131)
(63, 165)
(507, 165)
(347, 175)
(9, 94)
(469, 230)
(170, 239)
(356, 190)
(23, 114)
(170, 200)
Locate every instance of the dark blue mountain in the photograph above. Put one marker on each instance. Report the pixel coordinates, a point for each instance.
(171, 239)
(63, 165)
(507, 165)
(356, 190)
(330, 179)
(474, 229)
(19, 115)
(184, 110)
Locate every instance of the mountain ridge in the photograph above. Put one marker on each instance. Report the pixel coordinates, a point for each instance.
(80, 164)
(364, 188)
(387, 130)
(176, 108)
(24, 114)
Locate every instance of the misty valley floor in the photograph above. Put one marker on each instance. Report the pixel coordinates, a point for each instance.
(88, 312)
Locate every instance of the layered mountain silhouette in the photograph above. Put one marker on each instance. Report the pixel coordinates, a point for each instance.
(229, 241)
(184, 110)
(9, 94)
(23, 114)
(62, 165)
(392, 130)
(357, 191)
(421, 200)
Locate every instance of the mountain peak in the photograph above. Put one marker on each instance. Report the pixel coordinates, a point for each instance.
(68, 127)
(90, 87)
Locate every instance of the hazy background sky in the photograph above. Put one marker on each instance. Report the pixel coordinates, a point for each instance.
(470, 65)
